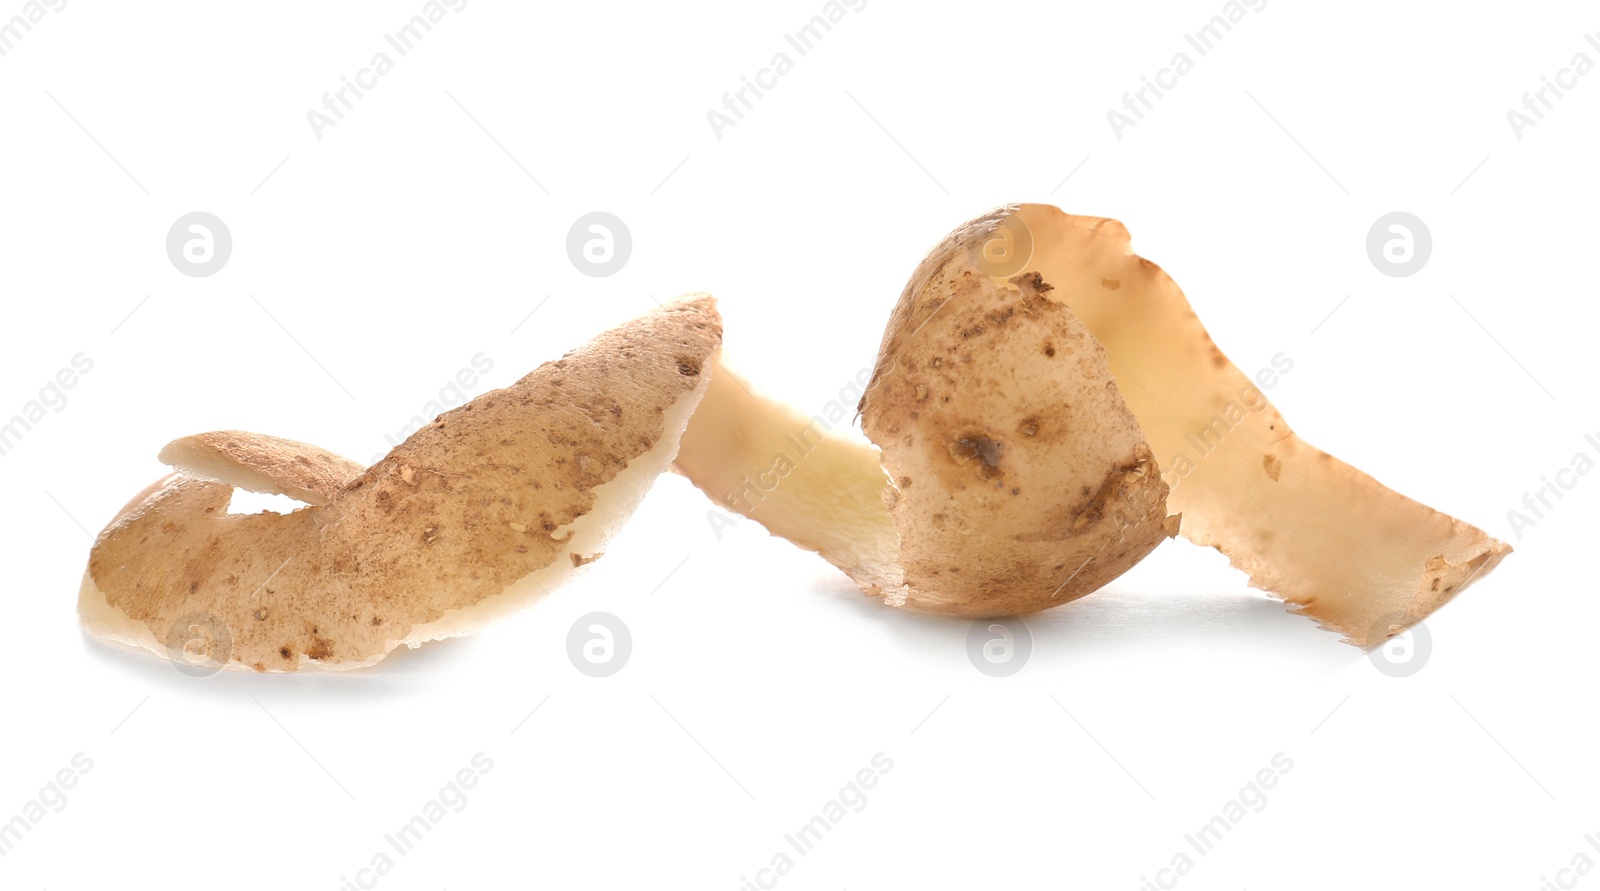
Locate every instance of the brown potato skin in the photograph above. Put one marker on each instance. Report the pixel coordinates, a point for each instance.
(468, 505)
(1358, 557)
(1019, 478)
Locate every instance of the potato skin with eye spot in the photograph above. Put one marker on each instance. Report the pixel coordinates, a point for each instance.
(520, 483)
(1023, 480)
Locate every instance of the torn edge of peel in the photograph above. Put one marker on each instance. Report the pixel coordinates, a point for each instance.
(1442, 582)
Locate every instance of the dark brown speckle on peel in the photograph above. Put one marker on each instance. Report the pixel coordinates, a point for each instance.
(974, 443)
(1272, 466)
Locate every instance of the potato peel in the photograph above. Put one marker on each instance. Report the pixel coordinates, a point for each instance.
(1357, 557)
(1013, 477)
(740, 449)
(471, 517)
(1018, 479)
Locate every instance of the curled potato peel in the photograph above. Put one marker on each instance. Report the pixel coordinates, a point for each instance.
(961, 367)
(1009, 475)
(471, 517)
(1356, 556)
(1033, 415)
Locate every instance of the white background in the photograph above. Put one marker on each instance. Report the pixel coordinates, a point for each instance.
(372, 264)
